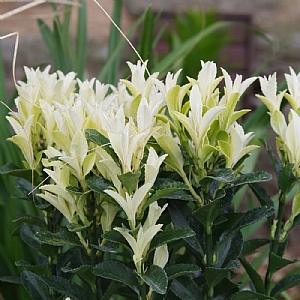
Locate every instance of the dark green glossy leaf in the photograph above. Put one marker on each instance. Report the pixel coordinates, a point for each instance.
(84, 272)
(39, 269)
(254, 276)
(11, 279)
(32, 220)
(73, 227)
(27, 234)
(130, 181)
(252, 216)
(222, 175)
(98, 184)
(167, 189)
(75, 190)
(276, 262)
(169, 236)
(214, 275)
(249, 295)
(13, 170)
(178, 270)
(156, 278)
(35, 286)
(252, 245)
(285, 283)
(181, 217)
(115, 236)
(61, 238)
(225, 289)
(29, 191)
(207, 214)
(185, 288)
(65, 287)
(96, 137)
(115, 270)
(286, 178)
(99, 139)
(107, 247)
(229, 250)
(254, 177)
(261, 194)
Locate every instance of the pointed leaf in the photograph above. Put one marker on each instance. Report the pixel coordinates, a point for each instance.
(207, 214)
(253, 177)
(286, 178)
(229, 250)
(27, 234)
(186, 288)
(167, 189)
(115, 270)
(156, 278)
(75, 190)
(11, 279)
(276, 262)
(178, 270)
(84, 271)
(64, 286)
(98, 184)
(261, 194)
(61, 238)
(116, 237)
(99, 139)
(73, 227)
(13, 170)
(39, 269)
(254, 276)
(285, 283)
(222, 175)
(214, 275)
(35, 286)
(181, 217)
(249, 295)
(169, 236)
(130, 181)
(252, 245)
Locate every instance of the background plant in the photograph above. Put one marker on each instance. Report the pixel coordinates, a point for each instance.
(215, 178)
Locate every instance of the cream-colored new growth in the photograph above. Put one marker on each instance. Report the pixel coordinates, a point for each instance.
(27, 6)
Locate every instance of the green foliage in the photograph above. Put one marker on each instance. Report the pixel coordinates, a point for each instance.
(197, 23)
(59, 38)
(196, 249)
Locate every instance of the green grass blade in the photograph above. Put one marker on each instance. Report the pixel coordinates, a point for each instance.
(80, 59)
(46, 35)
(110, 60)
(145, 48)
(114, 40)
(186, 47)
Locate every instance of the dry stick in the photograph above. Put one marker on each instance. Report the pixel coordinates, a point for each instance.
(30, 5)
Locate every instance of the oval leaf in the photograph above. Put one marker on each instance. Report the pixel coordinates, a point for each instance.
(64, 286)
(115, 270)
(35, 286)
(156, 278)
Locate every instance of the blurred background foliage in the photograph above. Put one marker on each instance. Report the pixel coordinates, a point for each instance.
(193, 36)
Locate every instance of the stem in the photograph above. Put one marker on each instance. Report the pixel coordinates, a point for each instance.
(275, 242)
(193, 192)
(143, 291)
(93, 241)
(209, 257)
